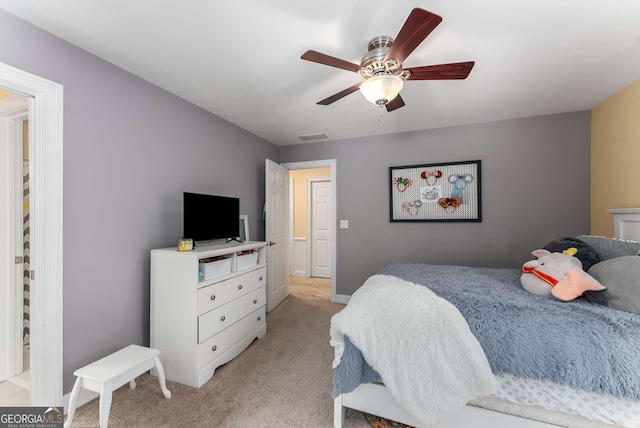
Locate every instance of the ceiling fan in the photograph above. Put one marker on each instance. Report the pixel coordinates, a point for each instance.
(381, 66)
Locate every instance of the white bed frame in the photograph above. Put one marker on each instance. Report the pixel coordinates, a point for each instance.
(626, 223)
(375, 399)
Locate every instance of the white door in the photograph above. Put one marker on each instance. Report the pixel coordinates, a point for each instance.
(277, 232)
(7, 276)
(11, 236)
(321, 229)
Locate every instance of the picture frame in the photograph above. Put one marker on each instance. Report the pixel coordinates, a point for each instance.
(436, 192)
(244, 228)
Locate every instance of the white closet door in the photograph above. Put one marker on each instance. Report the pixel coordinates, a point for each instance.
(321, 229)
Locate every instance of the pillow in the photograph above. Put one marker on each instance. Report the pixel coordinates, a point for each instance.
(586, 253)
(621, 276)
(611, 247)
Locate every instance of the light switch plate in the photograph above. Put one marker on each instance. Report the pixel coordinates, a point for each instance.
(344, 224)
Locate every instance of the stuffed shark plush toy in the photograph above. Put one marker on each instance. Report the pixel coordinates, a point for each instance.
(557, 275)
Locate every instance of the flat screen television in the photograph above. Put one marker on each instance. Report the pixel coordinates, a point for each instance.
(210, 217)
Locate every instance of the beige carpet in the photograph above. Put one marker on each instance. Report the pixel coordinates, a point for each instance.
(282, 380)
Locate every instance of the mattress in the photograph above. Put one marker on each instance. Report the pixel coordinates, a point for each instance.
(560, 398)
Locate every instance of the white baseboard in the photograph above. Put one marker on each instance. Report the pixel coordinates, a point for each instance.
(84, 398)
(342, 298)
(22, 383)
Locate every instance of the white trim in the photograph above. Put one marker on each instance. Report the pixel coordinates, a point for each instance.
(342, 298)
(45, 170)
(332, 163)
(624, 211)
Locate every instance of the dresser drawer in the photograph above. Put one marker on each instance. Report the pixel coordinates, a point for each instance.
(252, 301)
(259, 278)
(236, 287)
(209, 297)
(217, 345)
(217, 320)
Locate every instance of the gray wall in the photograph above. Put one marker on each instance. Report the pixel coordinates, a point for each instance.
(130, 150)
(535, 188)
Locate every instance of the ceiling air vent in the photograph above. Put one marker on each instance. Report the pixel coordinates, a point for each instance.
(312, 137)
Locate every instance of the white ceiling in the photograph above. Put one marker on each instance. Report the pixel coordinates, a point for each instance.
(241, 59)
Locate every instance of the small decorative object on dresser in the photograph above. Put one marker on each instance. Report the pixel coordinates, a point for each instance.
(207, 306)
(185, 244)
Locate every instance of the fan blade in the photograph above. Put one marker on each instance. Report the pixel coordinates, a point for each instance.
(339, 95)
(416, 28)
(325, 59)
(457, 70)
(395, 103)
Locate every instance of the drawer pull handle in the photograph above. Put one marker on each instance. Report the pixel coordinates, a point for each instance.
(240, 287)
(213, 297)
(214, 348)
(255, 301)
(259, 318)
(260, 279)
(222, 318)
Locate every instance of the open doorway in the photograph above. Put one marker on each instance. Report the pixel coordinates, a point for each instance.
(313, 223)
(45, 269)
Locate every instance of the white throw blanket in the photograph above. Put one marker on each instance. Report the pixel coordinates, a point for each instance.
(419, 344)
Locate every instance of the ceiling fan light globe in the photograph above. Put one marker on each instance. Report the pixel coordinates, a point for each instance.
(381, 89)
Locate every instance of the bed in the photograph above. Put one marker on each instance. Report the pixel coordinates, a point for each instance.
(501, 387)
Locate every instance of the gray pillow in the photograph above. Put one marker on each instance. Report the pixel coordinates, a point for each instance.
(609, 248)
(621, 276)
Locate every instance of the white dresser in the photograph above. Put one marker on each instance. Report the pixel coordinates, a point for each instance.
(202, 317)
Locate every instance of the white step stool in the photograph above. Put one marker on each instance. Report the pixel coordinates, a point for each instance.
(110, 373)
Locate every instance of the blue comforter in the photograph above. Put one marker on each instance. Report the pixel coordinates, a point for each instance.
(579, 344)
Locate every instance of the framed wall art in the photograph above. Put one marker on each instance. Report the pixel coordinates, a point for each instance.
(445, 192)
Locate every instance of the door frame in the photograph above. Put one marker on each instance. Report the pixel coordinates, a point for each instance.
(310, 246)
(332, 163)
(45, 173)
